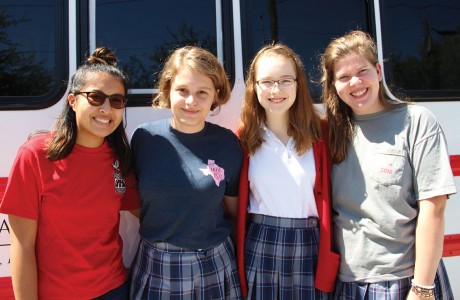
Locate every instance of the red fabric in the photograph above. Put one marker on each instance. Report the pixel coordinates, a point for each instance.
(76, 204)
(328, 261)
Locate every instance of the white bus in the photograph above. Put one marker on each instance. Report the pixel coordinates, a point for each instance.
(43, 41)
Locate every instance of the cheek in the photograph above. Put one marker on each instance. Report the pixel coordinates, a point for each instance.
(260, 93)
(339, 87)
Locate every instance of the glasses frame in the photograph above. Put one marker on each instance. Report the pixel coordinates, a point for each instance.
(92, 103)
(294, 80)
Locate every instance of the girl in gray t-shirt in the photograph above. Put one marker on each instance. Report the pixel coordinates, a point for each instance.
(390, 181)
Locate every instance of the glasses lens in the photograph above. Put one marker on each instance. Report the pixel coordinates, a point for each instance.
(286, 83)
(266, 84)
(96, 99)
(117, 101)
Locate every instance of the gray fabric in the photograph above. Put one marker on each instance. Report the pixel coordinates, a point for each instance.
(181, 196)
(397, 157)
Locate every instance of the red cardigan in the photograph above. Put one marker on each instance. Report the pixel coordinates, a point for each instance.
(328, 261)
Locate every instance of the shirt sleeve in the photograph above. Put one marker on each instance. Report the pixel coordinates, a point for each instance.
(131, 198)
(23, 191)
(432, 171)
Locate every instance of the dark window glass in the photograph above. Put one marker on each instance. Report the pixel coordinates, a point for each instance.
(305, 26)
(144, 33)
(30, 57)
(422, 47)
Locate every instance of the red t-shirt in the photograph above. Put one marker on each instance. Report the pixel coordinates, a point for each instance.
(76, 202)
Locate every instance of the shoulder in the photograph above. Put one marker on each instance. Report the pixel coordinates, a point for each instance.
(37, 142)
(420, 111)
(421, 116)
(150, 128)
(222, 132)
(225, 138)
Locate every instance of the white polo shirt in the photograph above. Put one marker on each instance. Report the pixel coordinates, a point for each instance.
(281, 182)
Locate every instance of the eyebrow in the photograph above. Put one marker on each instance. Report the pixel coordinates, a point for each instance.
(281, 77)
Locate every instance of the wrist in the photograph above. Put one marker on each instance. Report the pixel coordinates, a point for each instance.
(423, 291)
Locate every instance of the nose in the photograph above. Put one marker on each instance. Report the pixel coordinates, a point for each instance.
(106, 105)
(277, 85)
(190, 100)
(355, 80)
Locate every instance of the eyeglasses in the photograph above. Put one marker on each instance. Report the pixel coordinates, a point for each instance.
(98, 98)
(282, 83)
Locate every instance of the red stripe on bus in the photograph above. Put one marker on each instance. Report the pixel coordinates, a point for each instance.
(3, 182)
(455, 164)
(451, 245)
(6, 289)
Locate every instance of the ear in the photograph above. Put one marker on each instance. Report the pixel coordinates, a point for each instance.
(378, 67)
(72, 100)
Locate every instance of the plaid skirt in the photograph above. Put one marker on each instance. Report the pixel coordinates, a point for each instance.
(391, 290)
(281, 255)
(164, 271)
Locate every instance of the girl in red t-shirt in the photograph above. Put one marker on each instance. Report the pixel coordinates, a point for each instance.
(66, 189)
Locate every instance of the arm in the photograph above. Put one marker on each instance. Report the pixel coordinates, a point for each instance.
(429, 239)
(231, 206)
(231, 212)
(23, 234)
(136, 213)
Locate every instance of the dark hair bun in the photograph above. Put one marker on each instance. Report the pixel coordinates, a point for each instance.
(102, 55)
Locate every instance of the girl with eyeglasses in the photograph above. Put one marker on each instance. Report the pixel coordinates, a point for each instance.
(285, 251)
(390, 180)
(66, 189)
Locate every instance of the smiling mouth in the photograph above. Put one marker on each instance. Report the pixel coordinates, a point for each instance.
(276, 100)
(359, 93)
(103, 121)
(187, 111)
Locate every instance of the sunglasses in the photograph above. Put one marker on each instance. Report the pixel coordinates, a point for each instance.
(98, 98)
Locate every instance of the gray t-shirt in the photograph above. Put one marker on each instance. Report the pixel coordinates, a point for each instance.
(183, 179)
(396, 158)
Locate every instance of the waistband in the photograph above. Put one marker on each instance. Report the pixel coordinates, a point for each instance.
(167, 247)
(310, 222)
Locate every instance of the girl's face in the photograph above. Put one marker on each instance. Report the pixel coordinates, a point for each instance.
(356, 81)
(276, 86)
(192, 95)
(95, 123)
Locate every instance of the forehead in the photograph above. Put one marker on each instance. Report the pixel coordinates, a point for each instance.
(275, 65)
(103, 81)
(187, 76)
(350, 62)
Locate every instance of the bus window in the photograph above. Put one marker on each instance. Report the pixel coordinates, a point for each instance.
(144, 33)
(305, 26)
(32, 64)
(422, 47)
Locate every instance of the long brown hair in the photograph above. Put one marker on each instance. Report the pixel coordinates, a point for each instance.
(339, 114)
(304, 122)
(102, 60)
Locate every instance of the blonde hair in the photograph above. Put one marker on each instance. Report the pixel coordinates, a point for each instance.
(198, 60)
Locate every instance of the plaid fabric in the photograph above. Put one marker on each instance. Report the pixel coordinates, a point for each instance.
(391, 290)
(281, 255)
(164, 271)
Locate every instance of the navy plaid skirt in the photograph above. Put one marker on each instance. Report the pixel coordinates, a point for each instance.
(391, 290)
(164, 271)
(281, 255)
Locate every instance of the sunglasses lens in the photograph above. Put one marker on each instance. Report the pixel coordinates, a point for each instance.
(117, 101)
(96, 99)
